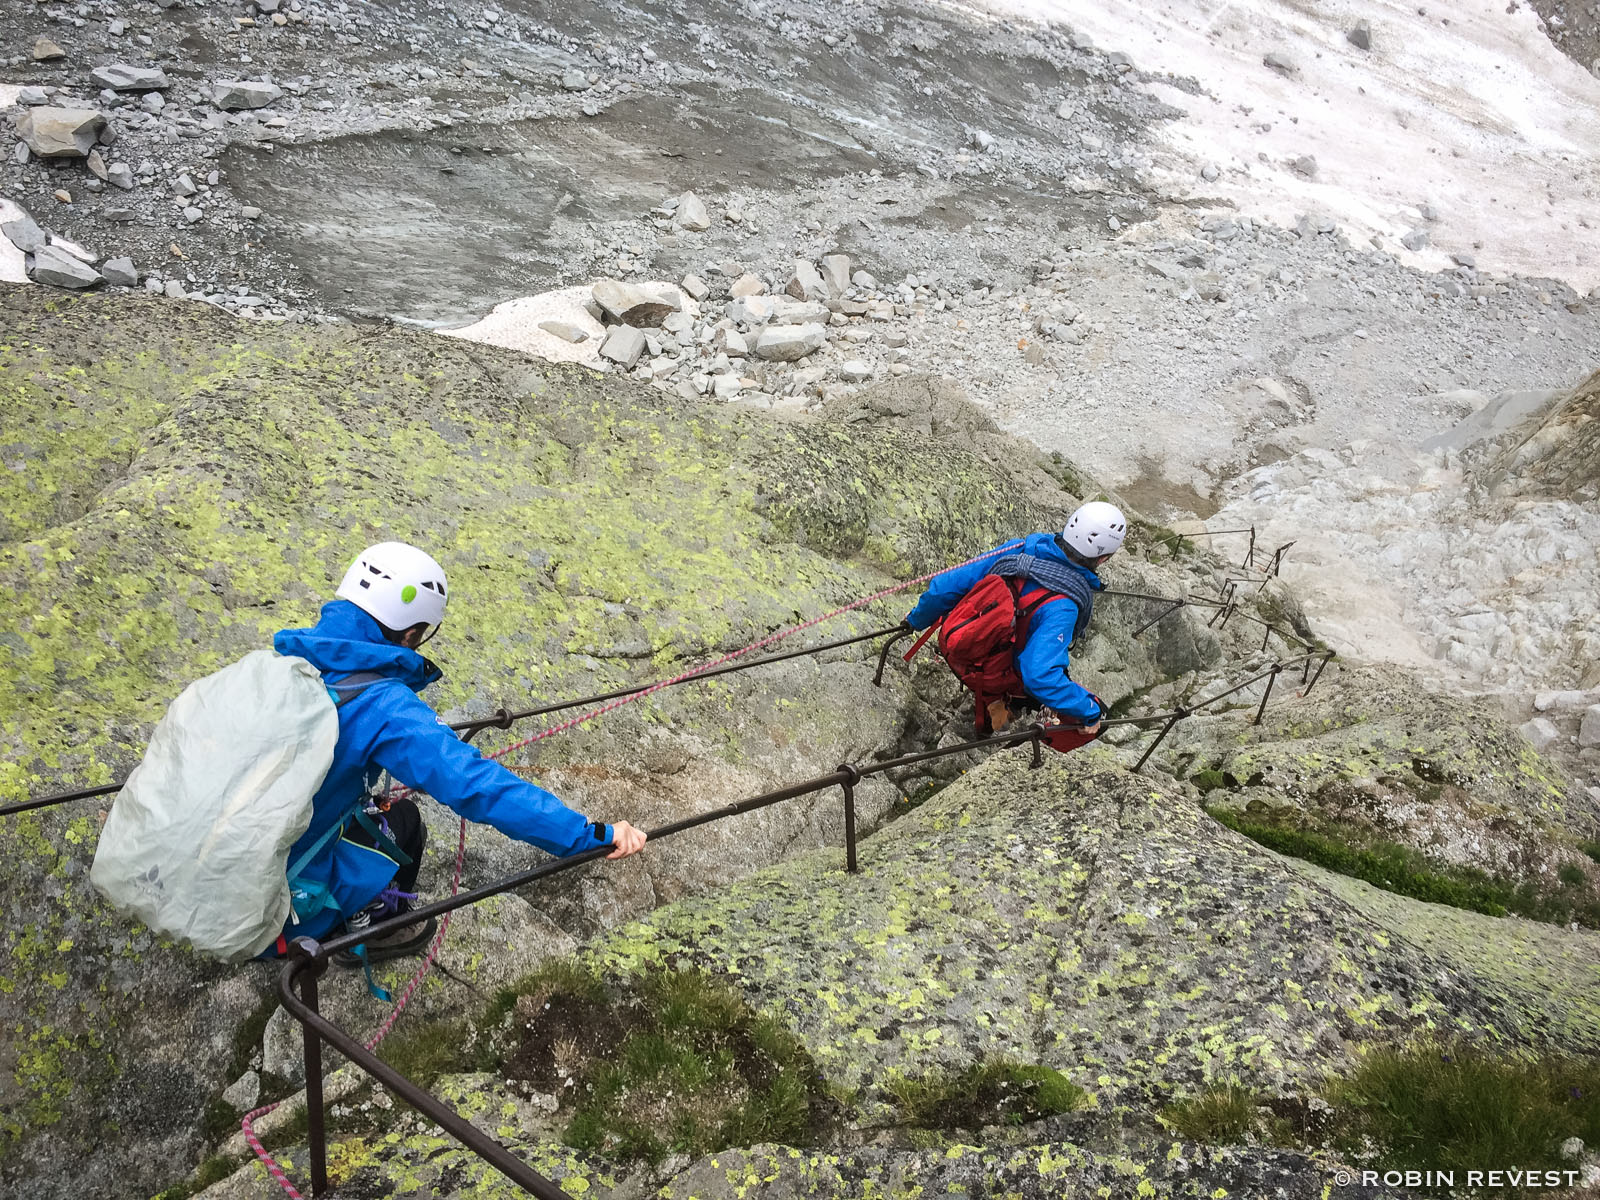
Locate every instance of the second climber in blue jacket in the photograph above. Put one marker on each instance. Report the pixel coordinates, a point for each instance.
(357, 862)
(1065, 563)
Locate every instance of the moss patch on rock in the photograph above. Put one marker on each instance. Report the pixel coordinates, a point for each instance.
(1447, 1106)
(1567, 898)
(989, 1093)
(665, 1062)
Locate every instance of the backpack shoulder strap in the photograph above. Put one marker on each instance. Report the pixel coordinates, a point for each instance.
(1057, 577)
(351, 686)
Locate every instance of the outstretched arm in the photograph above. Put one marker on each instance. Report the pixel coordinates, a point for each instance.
(947, 587)
(422, 753)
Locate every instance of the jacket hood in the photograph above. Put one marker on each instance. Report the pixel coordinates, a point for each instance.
(1046, 545)
(345, 640)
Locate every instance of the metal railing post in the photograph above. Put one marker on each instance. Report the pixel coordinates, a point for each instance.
(316, 1130)
(883, 657)
(851, 778)
(1267, 695)
(1177, 715)
(1328, 658)
(1161, 616)
(1251, 552)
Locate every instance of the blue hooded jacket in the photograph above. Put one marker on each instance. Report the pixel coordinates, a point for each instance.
(1043, 662)
(388, 727)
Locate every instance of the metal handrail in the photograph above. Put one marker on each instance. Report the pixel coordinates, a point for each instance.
(503, 719)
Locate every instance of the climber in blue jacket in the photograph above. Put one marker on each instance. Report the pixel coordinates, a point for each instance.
(1070, 558)
(357, 862)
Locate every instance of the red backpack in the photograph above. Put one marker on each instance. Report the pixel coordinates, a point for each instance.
(982, 635)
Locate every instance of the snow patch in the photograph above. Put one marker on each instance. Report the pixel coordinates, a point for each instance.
(514, 324)
(12, 260)
(1464, 109)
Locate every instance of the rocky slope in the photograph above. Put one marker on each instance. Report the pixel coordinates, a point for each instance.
(175, 499)
(1470, 557)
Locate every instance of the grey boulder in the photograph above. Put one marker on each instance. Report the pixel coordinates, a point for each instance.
(789, 343)
(121, 272)
(60, 132)
(123, 77)
(692, 213)
(565, 330)
(623, 345)
(805, 283)
(630, 304)
(836, 274)
(24, 233)
(235, 94)
(55, 266)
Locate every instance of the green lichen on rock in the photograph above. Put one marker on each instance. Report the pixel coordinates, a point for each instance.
(1370, 722)
(1099, 923)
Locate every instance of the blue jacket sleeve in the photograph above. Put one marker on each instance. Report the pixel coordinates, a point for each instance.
(1043, 663)
(946, 588)
(422, 753)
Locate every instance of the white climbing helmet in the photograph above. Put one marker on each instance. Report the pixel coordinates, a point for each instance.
(1096, 529)
(397, 585)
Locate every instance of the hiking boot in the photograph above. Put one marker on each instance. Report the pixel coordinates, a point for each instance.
(397, 939)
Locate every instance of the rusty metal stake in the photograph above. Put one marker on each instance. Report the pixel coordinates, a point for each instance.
(883, 656)
(1267, 695)
(1038, 758)
(1318, 675)
(316, 1133)
(1161, 616)
(852, 777)
(1251, 552)
(1266, 637)
(1177, 715)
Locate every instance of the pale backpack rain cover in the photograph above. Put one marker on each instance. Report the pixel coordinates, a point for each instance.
(197, 843)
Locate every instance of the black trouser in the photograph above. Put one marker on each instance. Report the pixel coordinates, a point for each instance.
(407, 832)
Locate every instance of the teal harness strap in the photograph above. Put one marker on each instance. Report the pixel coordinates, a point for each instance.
(382, 840)
(381, 994)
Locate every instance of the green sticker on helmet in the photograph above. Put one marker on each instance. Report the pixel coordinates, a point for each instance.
(408, 593)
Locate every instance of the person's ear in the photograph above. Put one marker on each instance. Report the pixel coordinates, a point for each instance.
(412, 638)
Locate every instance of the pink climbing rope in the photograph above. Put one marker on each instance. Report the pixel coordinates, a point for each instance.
(247, 1122)
(770, 639)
